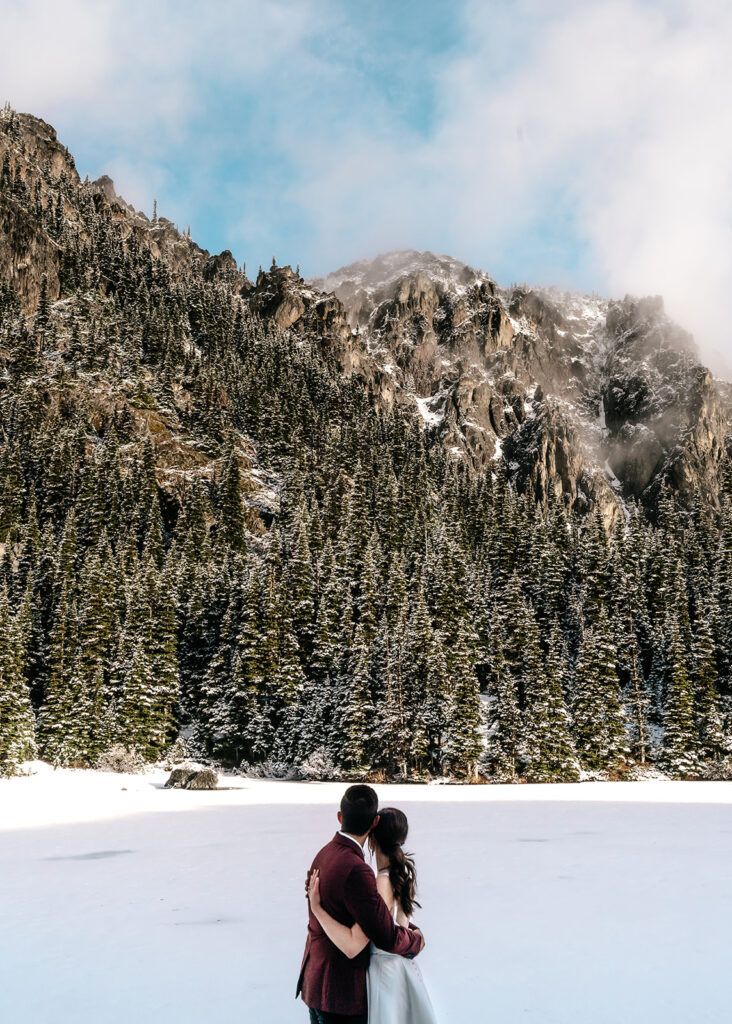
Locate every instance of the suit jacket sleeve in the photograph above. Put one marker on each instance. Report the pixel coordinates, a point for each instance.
(366, 906)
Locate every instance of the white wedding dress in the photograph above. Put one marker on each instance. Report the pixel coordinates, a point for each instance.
(396, 992)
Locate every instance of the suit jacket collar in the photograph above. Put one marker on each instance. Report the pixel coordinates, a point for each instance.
(349, 844)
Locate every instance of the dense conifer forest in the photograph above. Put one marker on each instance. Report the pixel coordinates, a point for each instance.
(392, 611)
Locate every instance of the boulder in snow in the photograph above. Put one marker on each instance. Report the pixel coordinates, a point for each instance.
(179, 777)
(206, 779)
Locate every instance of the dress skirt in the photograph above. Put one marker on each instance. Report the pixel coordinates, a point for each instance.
(396, 992)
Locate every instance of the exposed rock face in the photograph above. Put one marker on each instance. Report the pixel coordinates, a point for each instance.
(274, 296)
(592, 400)
(37, 160)
(35, 156)
(106, 185)
(282, 294)
(667, 420)
(27, 254)
(221, 267)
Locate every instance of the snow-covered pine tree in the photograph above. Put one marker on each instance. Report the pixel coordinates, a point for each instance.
(680, 737)
(598, 720)
(549, 584)
(230, 525)
(66, 558)
(325, 643)
(58, 715)
(138, 713)
(284, 688)
(164, 660)
(547, 750)
(301, 587)
(629, 663)
(593, 568)
(367, 589)
(464, 740)
(427, 689)
(356, 525)
(501, 758)
(146, 673)
(356, 721)
(722, 597)
(386, 753)
(193, 528)
(12, 491)
(712, 742)
(98, 627)
(242, 729)
(17, 724)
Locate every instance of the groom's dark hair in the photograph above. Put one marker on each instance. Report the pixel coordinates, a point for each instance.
(359, 807)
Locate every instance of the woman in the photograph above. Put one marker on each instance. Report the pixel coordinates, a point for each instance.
(396, 991)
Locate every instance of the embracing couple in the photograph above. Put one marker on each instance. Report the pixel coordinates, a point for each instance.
(358, 966)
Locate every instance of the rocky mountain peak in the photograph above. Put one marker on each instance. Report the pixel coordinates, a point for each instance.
(44, 199)
(595, 399)
(106, 187)
(592, 399)
(387, 269)
(404, 274)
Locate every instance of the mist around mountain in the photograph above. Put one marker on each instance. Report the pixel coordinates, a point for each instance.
(618, 379)
(394, 522)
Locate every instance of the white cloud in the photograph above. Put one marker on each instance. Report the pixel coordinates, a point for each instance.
(616, 112)
(627, 106)
(601, 121)
(137, 62)
(135, 81)
(52, 52)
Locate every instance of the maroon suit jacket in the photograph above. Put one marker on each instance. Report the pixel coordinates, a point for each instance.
(329, 981)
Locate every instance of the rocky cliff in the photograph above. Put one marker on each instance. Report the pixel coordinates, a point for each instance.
(599, 401)
(594, 400)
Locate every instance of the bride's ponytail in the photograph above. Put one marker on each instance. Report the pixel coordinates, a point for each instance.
(390, 833)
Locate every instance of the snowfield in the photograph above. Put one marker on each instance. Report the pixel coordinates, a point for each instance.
(600, 903)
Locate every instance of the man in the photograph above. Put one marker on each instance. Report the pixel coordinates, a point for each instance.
(333, 986)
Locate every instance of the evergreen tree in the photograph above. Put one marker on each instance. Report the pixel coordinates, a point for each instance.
(548, 751)
(138, 710)
(504, 733)
(630, 666)
(357, 717)
(230, 511)
(712, 743)
(237, 725)
(680, 739)
(301, 589)
(58, 717)
(464, 743)
(17, 726)
(164, 662)
(427, 689)
(43, 309)
(597, 713)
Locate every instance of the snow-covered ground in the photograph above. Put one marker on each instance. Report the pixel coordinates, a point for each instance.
(591, 904)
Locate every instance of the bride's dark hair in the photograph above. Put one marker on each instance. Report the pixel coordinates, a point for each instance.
(390, 833)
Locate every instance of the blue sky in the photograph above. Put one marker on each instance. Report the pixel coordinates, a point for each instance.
(581, 142)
